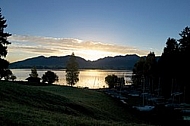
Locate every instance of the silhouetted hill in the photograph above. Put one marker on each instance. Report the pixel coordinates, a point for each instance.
(117, 62)
(54, 62)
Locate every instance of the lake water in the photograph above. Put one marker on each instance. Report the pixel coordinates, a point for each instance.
(91, 78)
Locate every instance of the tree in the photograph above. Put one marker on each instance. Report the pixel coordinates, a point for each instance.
(111, 80)
(173, 65)
(168, 66)
(151, 71)
(184, 42)
(9, 75)
(171, 46)
(49, 77)
(138, 71)
(13, 77)
(145, 68)
(34, 73)
(72, 72)
(3, 46)
(184, 64)
(184, 47)
(33, 76)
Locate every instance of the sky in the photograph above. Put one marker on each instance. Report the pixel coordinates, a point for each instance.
(92, 29)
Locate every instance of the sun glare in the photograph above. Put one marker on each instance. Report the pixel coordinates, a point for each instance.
(92, 54)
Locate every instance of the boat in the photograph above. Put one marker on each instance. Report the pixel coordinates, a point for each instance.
(144, 108)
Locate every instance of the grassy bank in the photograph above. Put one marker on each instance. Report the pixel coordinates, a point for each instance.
(60, 105)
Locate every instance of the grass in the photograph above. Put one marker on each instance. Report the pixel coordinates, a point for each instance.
(60, 106)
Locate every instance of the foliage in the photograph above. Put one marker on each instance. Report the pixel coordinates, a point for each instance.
(138, 71)
(3, 46)
(111, 80)
(72, 72)
(49, 77)
(170, 72)
(13, 77)
(173, 65)
(34, 73)
(145, 68)
(9, 75)
(184, 41)
(33, 76)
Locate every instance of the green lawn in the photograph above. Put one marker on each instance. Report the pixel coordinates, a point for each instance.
(60, 106)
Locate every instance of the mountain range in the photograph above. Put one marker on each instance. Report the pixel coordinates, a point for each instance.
(54, 62)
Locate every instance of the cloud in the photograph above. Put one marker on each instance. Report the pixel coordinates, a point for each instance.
(31, 49)
(48, 46)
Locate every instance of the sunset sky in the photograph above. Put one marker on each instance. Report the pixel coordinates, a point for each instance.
(92, 29)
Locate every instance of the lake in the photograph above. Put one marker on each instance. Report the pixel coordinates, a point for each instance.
(91, 78)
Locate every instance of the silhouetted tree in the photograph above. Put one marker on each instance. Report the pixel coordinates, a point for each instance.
(168, 66)
(8, 74)
(111, 80)
(120, 83)
(173, 66)
(49, 77)
(33, 76)
(138, 71)
(150, 69)
(184, 41)
(184, 62)
(145, 68)
(184, 47)
(13, 77)
(72, 71)
(34, 73)
(3, 46)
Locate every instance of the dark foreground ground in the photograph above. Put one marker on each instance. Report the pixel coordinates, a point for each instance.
(36, 105)
(160, 115)
(32, 105)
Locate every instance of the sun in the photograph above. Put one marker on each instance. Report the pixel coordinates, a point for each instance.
(92, 54)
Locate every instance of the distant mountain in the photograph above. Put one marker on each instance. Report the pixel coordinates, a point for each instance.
(54, 62)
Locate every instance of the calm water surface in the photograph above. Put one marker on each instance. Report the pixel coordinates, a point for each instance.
(87, 78)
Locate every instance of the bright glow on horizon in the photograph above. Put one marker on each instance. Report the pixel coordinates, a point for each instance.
(23, 47)
(93, 55)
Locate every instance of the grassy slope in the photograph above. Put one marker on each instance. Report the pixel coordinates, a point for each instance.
(59, 105)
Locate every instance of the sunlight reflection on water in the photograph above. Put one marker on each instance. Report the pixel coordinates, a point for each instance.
(91, 78)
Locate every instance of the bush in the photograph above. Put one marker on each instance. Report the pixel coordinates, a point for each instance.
(49, 77)
(111, 80)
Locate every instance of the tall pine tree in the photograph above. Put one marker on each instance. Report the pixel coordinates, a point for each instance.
(3, 46)
(72, 71)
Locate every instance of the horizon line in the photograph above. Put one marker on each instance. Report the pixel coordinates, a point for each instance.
(79, 57)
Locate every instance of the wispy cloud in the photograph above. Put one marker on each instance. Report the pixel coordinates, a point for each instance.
(49, 46)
